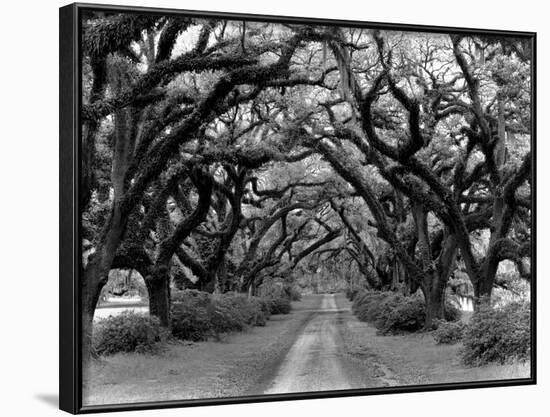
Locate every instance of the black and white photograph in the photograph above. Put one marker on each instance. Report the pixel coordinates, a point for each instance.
(274, 206)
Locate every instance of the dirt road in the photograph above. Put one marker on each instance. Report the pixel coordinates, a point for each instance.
(318, 359)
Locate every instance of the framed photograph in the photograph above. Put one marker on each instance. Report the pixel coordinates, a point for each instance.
(259, 208)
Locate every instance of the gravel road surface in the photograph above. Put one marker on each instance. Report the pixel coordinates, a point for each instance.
(318, 359)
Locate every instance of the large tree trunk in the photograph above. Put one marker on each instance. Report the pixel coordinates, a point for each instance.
(434, 296)
(89, 295)
(436, 271)
(89, 129)
(158, 287)
(86, 349)
(483, 287)
(97, 270)
(231, 224)
(208, 285)
(430, 283)
(399, 279)
(221, 284)
(96, 274)
(251, 290)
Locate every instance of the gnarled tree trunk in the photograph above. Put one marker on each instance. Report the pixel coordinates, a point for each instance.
(437, 270)
(158, 288)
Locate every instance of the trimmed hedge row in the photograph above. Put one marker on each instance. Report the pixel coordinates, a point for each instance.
(393, 313)
(195, 316)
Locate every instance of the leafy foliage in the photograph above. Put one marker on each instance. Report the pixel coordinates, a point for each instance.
(190, 316)
(498, 334)
(392, 313)
(294, 294)
(115, 32)
(449, 332)
(225, 315)
(272, 128)
(198, 315)
(279, 305)
(127, 283)
(128, 332)
(400, 315)
(452, 312)
(351, 293)
(368, 305)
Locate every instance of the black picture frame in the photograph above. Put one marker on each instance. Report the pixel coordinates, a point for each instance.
(70, 260)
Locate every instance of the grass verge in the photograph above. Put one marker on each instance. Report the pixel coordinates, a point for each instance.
(415, 358)
(189, 370)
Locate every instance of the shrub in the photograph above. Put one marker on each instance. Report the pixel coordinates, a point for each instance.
(127, 332)
(498, 334)
(264, 304)
(449, 332)
(351, 293)
(392, 312)
(360, 298)
(225, 315)
(370, 306)
(273, 290)
(250, 310)
(196, 296)
(401, 314)
(254, 311)
(293, 294)
(190, 316)
(198, 315)
(259, 311)
(452, 312)
(279, 305)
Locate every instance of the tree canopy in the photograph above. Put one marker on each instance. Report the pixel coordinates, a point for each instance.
(223, 155)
